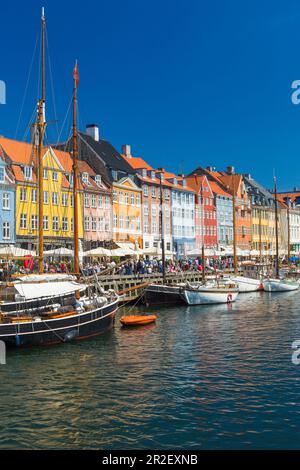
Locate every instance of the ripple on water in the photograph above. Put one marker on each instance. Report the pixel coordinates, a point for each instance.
(201, 377)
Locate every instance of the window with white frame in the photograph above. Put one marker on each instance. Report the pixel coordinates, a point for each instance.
(55, 198)
(98, 180)
(6, 201)
(107, 202)
(54, 176)
(86, 223)
(6, 230)
(120, 197)
(27, 173)
(138, 223)
(127, 221)
(153, 191)
(55, 223)
(94, 224)
(33, 195)
(121, 221)
(2, 174)
(132, 223)
(23, 221)
(115, 221)
(34, 222)
(145, 190)
(138, 199)
(126, 198)
(64, 224)
(45, 222)
(94, 201)
(132, 199)
(64, 199)
(45, 174)
(46, 197)
(85, 177)
(23, 194)
(86, 200)
(101, 201)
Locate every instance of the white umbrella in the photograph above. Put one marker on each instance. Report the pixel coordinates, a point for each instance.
(14, 251)
(100, 251)
(62, 251)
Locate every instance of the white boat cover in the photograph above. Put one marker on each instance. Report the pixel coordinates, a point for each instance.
(46, 277)
(48, 289)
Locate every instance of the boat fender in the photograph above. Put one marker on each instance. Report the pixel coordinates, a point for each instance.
(229, 298)
(70, 335)
(18, 340)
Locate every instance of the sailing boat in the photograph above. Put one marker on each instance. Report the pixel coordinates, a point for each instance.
(67, 318)
(277, 284)
(42, 289)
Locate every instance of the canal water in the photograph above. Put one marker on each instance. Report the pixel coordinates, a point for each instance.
(213, 377)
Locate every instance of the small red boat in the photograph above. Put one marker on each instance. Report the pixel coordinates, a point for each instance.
(137, 320)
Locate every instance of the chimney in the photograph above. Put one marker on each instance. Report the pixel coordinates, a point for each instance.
(126, 150)
(230, 170)
(93, 131)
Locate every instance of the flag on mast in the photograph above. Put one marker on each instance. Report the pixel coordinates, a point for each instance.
(76, 74)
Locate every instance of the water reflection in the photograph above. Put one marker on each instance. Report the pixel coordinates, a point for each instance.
(201, 377)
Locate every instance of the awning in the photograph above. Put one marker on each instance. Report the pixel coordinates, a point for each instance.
(47, 289)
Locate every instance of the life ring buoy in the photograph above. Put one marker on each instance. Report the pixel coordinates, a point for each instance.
(229, 298)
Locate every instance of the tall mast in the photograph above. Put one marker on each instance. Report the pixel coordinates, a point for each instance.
(41, 125)
(203, 227)
(234, 226)
(276, 230)
(288, 231)
(260, 238)
(162, 228)
(75, 171)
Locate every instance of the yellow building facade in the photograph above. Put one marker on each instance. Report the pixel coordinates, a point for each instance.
(264, 230)
(57, 201)
(127, 211)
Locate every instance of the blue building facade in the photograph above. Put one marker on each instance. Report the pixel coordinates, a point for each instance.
(7, 204)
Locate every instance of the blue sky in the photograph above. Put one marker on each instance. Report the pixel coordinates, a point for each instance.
(186, 83)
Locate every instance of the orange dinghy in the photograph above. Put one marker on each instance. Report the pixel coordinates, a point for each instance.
(137, 320)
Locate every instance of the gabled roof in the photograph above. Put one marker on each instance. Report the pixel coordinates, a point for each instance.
(137, 163)
(217, 189)
(108, 154)
(18, 152)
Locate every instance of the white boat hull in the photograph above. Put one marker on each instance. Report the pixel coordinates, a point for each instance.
(247, 284)
(276, 285)
(204, 296)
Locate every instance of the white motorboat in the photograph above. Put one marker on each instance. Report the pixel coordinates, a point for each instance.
(212, 293)
(280, 285)
(247, 284)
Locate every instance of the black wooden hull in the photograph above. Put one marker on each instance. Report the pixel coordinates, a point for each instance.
(163, 295)
(46, 332)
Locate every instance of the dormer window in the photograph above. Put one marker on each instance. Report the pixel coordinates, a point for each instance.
(27, 172)
(153, 175)
(70, 179)
(161, 176)
(114, 175)
(184, 182)
(144, 173)
(85, 177)
(98, 180)
(175, 180)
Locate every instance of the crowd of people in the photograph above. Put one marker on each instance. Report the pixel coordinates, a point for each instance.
(137, 267)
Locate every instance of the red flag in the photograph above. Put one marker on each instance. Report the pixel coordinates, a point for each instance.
(76, 74)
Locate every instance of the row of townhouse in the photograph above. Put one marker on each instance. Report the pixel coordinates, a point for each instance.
(120, 198)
